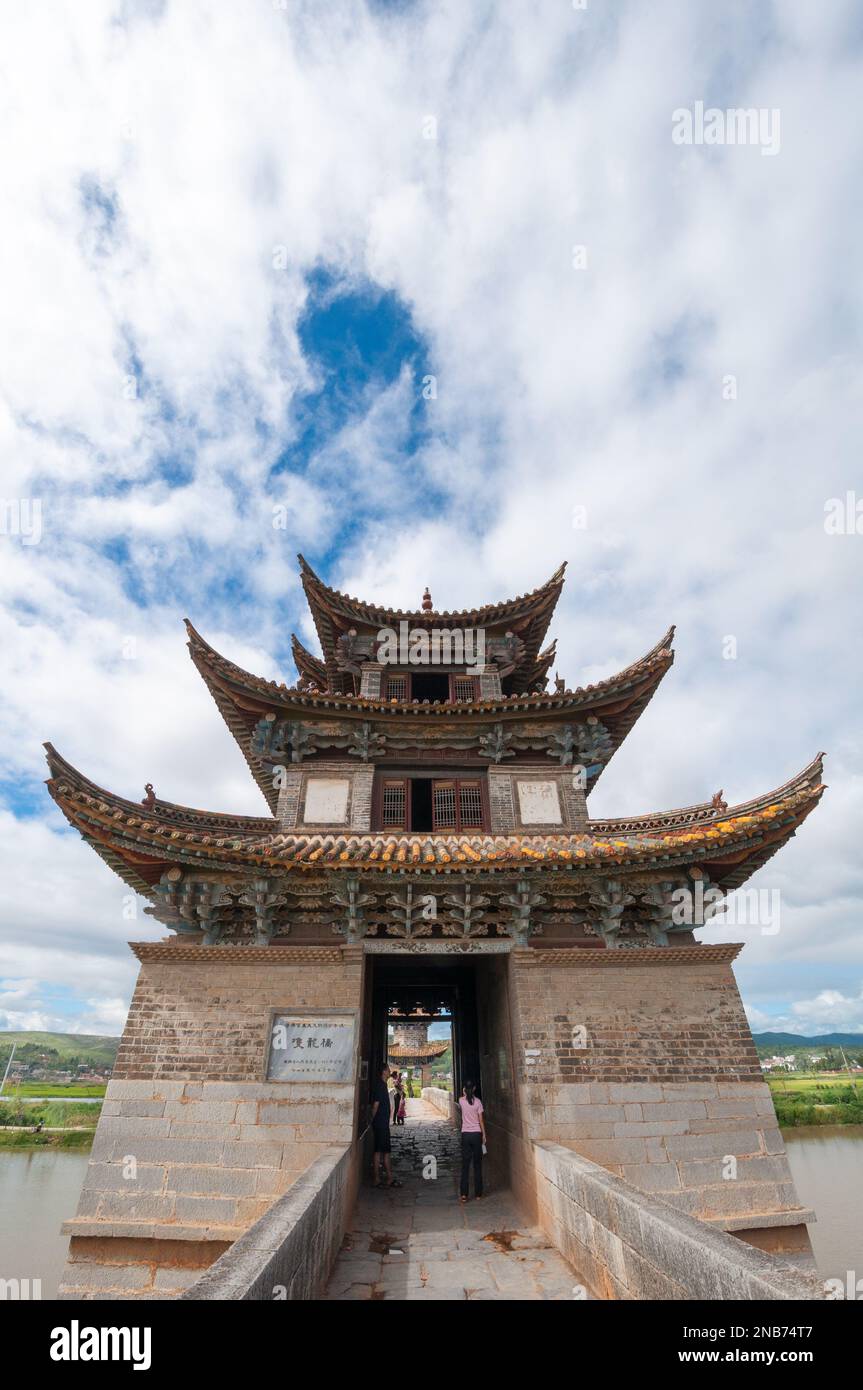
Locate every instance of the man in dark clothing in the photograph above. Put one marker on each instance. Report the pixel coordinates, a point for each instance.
(381, 1129)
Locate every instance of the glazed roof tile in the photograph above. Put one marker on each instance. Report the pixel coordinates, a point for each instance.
(143, 837)
(430, 1049)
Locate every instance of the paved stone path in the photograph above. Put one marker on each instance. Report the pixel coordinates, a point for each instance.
(420, 1242)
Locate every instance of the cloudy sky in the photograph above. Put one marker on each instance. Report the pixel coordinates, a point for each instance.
(437, 281)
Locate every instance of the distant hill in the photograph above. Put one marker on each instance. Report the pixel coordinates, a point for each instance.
(797, 1040)
(65, 1047)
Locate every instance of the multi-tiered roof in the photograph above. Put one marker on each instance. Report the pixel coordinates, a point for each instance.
(256, 879)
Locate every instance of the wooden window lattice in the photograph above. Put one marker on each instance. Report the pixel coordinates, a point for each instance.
(464, 689)
(456, 805)
(443, 805)
(394, 804)
(470, 806)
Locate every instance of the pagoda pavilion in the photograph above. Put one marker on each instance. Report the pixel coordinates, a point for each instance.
(411, 1049)
(427, 827)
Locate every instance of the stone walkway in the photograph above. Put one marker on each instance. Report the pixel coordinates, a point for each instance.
(419, 1242)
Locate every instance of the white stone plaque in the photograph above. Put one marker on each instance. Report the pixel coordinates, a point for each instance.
(538, 803)
(326, 801)
(311, 1047)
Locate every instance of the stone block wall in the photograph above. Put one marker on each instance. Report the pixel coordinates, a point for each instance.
(642, 1061)
(193, 1145)
(289, 1252)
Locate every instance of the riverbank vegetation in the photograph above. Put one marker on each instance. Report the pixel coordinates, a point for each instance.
(57, 1124)
(79, 1139)
(48, 1088)
(812, 1100)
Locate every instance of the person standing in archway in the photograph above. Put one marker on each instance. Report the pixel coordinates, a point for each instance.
(473, 1140)
(381, 1130)
(396, 1095)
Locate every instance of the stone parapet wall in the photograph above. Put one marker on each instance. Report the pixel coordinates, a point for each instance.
(628, 1245)
(441, 1100)
(179, 1162)
(289, 1252)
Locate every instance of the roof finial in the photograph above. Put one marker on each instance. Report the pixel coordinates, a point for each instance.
(150, 799)
(427, 601)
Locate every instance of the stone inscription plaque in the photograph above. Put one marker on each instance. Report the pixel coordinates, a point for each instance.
(311, 1047)
(538, 803)
(326, 801)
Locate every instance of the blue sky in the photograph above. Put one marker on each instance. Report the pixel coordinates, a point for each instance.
(241, 248)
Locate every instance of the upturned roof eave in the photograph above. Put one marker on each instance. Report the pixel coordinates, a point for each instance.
(125, 833)
(493, 614)
(645, 671)
(704, 812)
(170, 812)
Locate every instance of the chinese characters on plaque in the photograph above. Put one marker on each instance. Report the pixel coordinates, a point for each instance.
(539, 803)
(311, 1047)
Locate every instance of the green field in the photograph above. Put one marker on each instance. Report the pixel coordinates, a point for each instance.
(44, 1088)
(814, 1098)
(812, 1080)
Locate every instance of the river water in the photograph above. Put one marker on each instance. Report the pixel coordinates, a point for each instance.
(827, 1165)
(39, 1189)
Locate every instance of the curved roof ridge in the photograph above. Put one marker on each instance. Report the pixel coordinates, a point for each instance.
(64, 771)
(663, 648)
(308, 665)
(809, 777)
(635, 668)
(309, 576)
(704, 812)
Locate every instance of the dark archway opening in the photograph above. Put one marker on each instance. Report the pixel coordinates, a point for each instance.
(430, 989)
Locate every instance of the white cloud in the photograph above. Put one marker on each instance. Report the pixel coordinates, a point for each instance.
(830, 1011)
